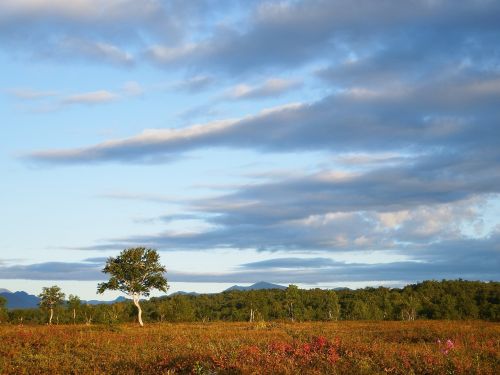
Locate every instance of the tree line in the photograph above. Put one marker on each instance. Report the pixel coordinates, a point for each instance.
(447, 299)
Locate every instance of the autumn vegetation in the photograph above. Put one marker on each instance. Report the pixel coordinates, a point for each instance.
(417, 347)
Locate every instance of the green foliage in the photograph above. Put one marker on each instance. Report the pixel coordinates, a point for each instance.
(449, 300)
(293, 301)
(3, 309)
(135, 271)
(74, 302)
(51, 297)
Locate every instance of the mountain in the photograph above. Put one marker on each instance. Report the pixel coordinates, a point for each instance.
(181, 293)
(257, 286)
(97, 302)
(20, 300)
(23, 300)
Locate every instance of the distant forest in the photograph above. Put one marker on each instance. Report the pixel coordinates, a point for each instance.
(455, 300)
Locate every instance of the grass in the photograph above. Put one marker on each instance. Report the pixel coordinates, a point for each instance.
(259, 348)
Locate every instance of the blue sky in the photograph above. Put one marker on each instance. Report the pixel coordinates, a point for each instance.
(321, 143)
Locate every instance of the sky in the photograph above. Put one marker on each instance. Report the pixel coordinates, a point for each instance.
(323, 143)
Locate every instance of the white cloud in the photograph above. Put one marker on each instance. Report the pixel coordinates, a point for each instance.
(93, 97)
(84, 10)
(94, 50)
(194, 84)
(392, 220)
(31, 94)
(271, 87)
(165, 55)
(51, 100)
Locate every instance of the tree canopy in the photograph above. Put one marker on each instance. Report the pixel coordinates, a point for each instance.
(136, 271)
(447, 299)
(50, 298)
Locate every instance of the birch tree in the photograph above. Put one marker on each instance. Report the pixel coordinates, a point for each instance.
(50, 298)
(135, 272)
(74, 304)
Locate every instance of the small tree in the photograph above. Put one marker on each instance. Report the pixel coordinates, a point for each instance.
(332, 305)
(50, 298)
(74, 304)
(136, 272)
(292, 296)
(88, 313)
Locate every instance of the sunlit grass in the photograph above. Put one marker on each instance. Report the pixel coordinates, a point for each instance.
(259, 348)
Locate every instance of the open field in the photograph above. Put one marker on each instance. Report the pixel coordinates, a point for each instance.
(259, 348)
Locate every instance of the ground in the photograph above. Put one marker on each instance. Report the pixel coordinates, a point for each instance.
(421, 347)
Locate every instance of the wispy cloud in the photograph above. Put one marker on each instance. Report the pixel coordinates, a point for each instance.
(53, 271)
(195, 84)
(156, 198)
(449, 260)
(87, 29)
(92, 50)
(290, 34)
(89, 98)
(270, 88)
(450, 113)
(270, 36)
(31, 94)
(132, 88)
(51, 100)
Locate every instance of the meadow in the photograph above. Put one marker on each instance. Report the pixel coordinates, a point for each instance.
(343, 347)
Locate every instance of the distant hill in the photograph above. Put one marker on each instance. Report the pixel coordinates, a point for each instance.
(181, 293)
(97, 302)
(23, 300)
(20, 300)
(257, 286)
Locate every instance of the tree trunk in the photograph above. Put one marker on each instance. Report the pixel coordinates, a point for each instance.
(139, 310)
(74, 316)
(51, 315)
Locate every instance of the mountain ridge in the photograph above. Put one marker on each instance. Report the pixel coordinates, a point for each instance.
(257, 286)
(23, 300)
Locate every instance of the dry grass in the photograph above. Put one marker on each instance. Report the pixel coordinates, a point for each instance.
(260, 348)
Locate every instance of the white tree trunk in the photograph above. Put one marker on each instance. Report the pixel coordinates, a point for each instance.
(51, 315)
(139, 310)
(88, 319)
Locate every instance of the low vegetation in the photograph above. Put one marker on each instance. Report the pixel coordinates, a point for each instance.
(419, 347)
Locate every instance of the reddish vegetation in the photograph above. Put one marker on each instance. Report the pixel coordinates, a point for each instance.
(421, 347)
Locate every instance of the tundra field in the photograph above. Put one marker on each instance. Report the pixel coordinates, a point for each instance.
(419, 347)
